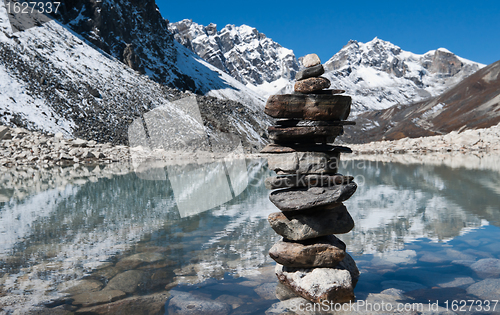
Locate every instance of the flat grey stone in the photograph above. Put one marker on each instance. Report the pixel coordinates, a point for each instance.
(82, 286)
(293, 199)
(488, 289)
(98, 297)
(135, 305)
(267, 291)
(127, 281)
(326, 251)
(314, 223)
(305, 162)
(457, 282)
(314, 71)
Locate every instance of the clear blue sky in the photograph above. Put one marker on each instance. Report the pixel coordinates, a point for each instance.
(470, 29)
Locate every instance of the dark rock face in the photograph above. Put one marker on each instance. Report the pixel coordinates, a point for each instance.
(314, 223)
(446, 63)
(304, 199)
(116, 26)
(325, 252)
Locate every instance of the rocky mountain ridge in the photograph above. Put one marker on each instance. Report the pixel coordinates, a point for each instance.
(472, 104)
(241, 51)
(135, 33)
(54, 80)
(377, 74)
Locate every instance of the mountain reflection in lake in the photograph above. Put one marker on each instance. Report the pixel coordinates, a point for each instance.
(208, 222)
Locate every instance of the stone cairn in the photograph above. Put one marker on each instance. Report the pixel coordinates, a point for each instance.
(311, 261)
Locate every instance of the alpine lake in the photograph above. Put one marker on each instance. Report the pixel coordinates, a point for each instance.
(194, 238)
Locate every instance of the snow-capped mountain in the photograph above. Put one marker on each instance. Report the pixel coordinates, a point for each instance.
(473, 103)
(241, 51)
(136, 34)
(379, 74)
(54, 80)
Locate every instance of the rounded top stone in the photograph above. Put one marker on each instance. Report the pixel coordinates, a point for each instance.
(310, 60)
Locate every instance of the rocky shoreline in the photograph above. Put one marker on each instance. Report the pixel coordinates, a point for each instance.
(477, 140)
(19, 146)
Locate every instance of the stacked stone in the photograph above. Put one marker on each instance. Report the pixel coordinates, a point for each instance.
(311, 260)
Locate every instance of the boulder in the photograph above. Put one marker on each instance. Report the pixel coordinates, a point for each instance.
(311, 85)
(98, 297)
(326, 251)
(184, 303)
(293, 199)
(5, 133)
(324, 221)
(487, 268)
(127, 281)
(136, 305)
(309, 106)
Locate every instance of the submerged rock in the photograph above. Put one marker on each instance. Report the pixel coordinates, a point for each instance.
(184, 303)
(137, 305)
(488, 289)
(127, 281)
(487, 268)
(99, 297)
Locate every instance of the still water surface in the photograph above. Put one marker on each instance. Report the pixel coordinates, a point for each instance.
(202, 229)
